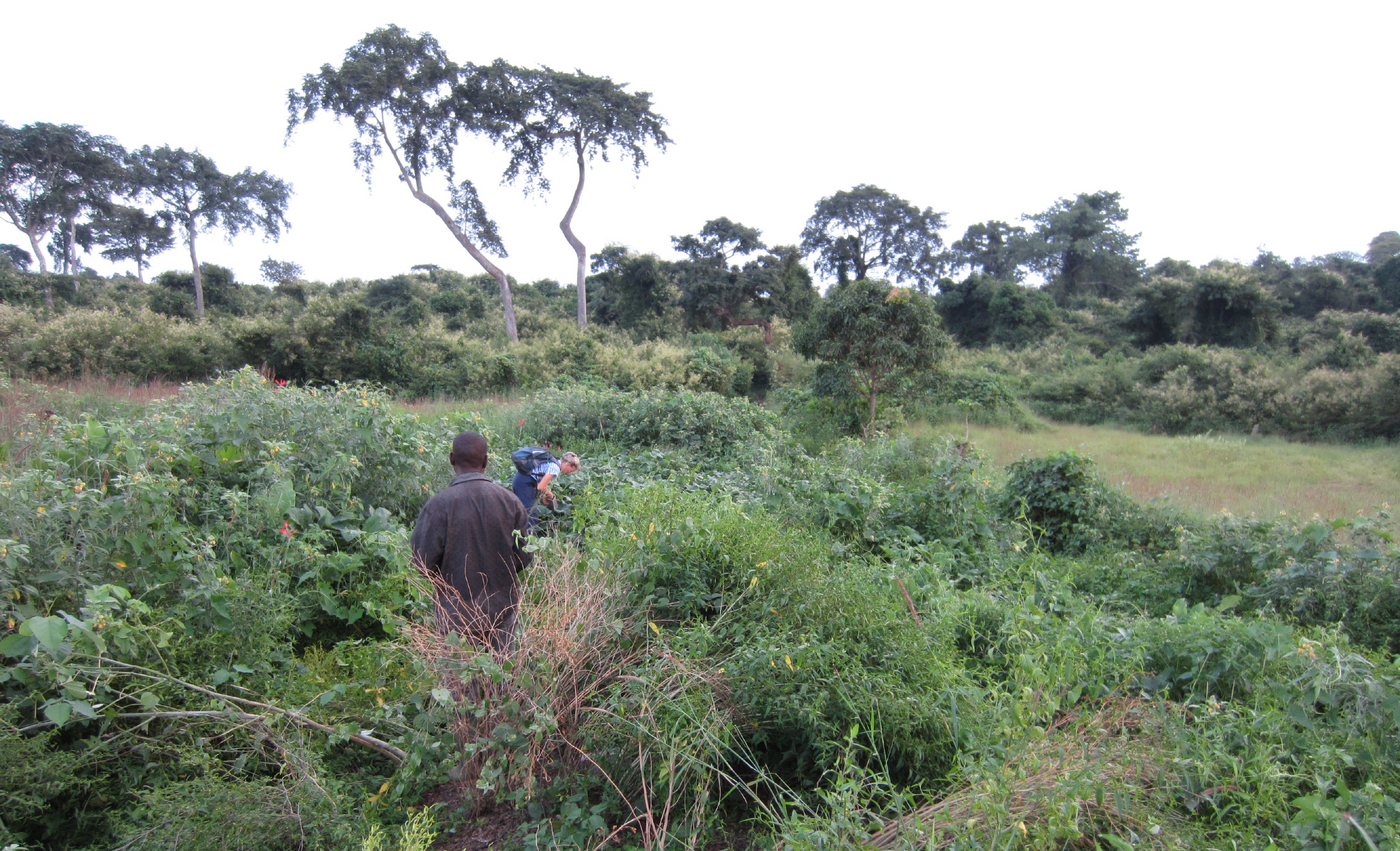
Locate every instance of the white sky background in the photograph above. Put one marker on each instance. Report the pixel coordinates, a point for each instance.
(1227, 126)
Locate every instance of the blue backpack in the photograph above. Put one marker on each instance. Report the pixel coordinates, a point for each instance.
(527, 458)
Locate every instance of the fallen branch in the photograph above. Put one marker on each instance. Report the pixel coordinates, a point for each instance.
(368, 741)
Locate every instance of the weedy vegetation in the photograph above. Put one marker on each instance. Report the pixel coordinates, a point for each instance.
(213, 638)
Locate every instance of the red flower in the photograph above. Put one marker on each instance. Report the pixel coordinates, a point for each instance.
(280, 382)
(287, 530)
(520, 422)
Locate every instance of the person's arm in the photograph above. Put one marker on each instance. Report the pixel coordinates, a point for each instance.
(543, 487)
(519, 556)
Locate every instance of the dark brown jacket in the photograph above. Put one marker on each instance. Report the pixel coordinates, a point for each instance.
(470, 534)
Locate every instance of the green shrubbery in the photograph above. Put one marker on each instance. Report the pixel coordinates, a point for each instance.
(208, 610)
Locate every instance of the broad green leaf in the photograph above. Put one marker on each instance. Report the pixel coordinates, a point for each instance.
(17, 645)
(58, 712)
(51, 632)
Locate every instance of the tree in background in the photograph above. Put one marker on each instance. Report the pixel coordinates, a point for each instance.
(874, 339)
(984, 310)
(18, 257)
(49, 174)
(866, 229)
(172, 293)
(1383, 247)
(280, 271)
(130, 233)
(405, 96)
(1080, 248)
(718, 293)
(200, 198)
(588, 115)
(633, 291)
(990, 248)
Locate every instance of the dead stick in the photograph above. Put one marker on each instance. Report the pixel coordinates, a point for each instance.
(908, 599)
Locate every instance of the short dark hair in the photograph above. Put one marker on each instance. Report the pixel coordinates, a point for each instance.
(469, 450)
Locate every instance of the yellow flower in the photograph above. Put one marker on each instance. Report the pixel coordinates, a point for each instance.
(753, 582)
(761, 564)
(42, 510)
(78, 488)
(120, 564)
(788, 660)
(654, 627)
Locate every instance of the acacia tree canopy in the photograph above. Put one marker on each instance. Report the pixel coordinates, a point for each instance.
(51, 173)
(200, 198)
(866, 229)
(407, 99)
(1384, 246)
(880, 337)
(591, 116)
(130, 233)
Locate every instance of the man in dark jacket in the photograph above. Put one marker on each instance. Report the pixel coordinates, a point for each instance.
(468, 537)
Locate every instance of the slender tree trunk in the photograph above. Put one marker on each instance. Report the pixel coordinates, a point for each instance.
(566, 225)
(198, 278)
(874, 386)
(43, 268)
(415, 187)
(476, 254)
(72, 253)
(38, 255)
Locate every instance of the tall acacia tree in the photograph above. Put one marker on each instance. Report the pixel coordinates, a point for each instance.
(590, 116)
(200, 198)
(49, 173)
(130, 233)
(406, 98)
(866, 229)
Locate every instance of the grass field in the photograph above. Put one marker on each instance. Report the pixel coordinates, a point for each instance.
(1205, 474)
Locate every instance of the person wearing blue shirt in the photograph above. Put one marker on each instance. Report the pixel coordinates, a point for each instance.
(532, 487)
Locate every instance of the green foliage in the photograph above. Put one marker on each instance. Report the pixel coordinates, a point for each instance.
(1081, 247)
(701, 421)
(855, 233)
(984, 311)
(875, 339)
(1060, 496)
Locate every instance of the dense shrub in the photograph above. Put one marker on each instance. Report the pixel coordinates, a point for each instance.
(705, 422)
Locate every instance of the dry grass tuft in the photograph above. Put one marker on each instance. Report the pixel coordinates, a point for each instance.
(1092, 770)
(566, 654)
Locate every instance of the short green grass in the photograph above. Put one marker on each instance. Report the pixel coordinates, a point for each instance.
(1205, 474)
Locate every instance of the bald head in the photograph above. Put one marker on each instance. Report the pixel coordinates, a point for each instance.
(468, 453)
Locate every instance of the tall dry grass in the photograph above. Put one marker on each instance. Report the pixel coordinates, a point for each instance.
(588, 696)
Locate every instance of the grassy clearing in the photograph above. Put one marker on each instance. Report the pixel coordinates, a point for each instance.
(1206, 474)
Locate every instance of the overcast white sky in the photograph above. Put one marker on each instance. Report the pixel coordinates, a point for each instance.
(1227, 126)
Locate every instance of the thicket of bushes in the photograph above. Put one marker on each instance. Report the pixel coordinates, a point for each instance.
(1320, 362)
(204, 609)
